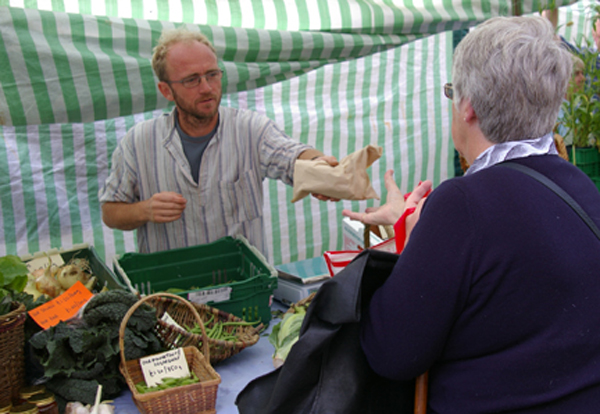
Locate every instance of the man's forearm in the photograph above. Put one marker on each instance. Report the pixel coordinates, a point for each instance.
(310, 154)
(123, 216)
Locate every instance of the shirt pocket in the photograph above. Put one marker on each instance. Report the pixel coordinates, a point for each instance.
(241, 200)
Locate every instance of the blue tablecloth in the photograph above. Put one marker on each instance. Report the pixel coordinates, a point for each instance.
(235, 373)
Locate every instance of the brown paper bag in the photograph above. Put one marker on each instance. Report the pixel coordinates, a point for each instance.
(347, 181)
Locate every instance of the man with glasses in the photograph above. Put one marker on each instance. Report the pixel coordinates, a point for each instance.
(195, 175)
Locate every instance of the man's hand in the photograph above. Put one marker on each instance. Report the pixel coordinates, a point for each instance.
(387, 214)
(164, 207)
(331, 160)
(160, 208)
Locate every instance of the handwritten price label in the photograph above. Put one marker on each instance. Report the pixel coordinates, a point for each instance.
(62, 307)
(170, 364)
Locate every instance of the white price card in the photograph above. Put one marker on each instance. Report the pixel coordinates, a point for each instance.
(170, 364)
(169, 320)
(210, 295)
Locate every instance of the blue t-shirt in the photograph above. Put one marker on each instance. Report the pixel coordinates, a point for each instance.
(194, 147)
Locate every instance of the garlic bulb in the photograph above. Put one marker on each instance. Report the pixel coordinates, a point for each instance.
(78, 408)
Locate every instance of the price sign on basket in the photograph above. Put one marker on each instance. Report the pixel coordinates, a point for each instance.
(170, 364)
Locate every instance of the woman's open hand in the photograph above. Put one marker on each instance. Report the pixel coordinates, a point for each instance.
(386, 214)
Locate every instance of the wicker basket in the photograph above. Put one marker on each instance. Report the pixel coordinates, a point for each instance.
(301, 302)
(198, 398)
(174, 337)
(12, 353)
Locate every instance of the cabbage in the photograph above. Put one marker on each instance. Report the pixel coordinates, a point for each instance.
(285, 334)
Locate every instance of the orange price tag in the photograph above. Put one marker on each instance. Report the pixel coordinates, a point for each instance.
(62, 307)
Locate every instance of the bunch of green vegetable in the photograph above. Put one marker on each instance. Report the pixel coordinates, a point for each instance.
(167, 383)
(286, 333)
(218, 329)
(13, 278)
(84, 353)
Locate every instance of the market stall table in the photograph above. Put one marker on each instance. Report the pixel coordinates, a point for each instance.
(236, 372)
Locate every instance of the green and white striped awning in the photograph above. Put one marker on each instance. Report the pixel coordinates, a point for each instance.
(338, 74)
(69, 65)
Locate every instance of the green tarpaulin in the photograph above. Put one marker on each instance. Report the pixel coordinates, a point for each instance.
(338, 74)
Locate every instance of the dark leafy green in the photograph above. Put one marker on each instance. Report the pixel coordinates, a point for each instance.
(85, 352)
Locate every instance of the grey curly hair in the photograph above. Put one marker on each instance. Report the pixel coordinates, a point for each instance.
(515, 73)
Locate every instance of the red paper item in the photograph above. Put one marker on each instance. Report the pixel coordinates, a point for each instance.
(337, 260)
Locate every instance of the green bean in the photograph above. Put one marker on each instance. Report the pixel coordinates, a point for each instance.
(212, 317)
(229, 338)
(167, 383)
(210, 331)
(241, 323)
(219, 331)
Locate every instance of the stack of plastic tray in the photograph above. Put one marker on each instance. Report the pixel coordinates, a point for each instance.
(228, 274)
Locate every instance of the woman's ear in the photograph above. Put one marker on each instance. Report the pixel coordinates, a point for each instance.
(468, 112)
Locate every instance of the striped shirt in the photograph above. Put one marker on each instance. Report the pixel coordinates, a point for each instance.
(228, 198)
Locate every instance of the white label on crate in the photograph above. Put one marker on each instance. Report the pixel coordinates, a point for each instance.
(210, 295)
(168, 319)
(170, 364)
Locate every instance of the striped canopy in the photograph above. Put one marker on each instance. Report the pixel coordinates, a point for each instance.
(337, 74)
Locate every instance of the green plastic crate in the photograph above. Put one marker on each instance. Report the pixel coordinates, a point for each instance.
(228, 274)
(98, 267)
(587, 159)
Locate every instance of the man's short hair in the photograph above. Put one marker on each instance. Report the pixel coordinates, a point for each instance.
(515, 73)
(169, 38)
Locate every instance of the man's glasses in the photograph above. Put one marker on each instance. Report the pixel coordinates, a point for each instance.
(211, 78)
(449, 91)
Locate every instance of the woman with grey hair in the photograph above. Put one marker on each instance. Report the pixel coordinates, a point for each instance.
(496, 292)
